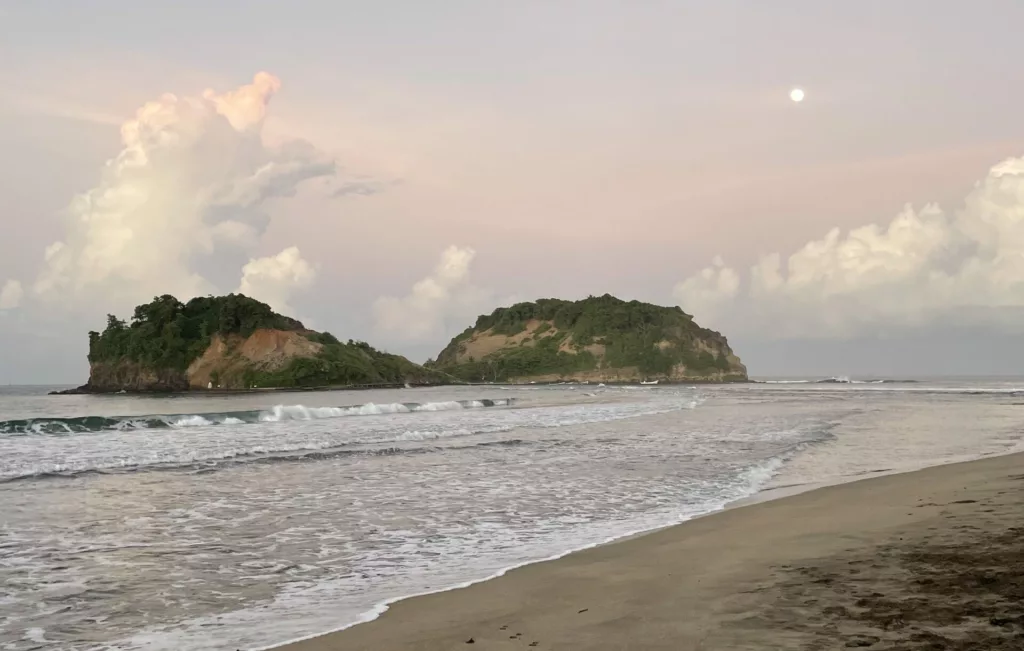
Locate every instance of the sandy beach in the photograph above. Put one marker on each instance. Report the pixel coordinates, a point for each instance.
(932, 559)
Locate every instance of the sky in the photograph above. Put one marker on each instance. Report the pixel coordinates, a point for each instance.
(387, 171)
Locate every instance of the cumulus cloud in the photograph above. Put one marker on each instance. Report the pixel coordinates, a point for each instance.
(10, 295)
(437, 304)
(181, 207)
(711, 286)
(274, 278)
(922, 268)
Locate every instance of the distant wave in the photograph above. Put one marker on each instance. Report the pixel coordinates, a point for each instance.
(255, 455)
(842, 379)
(268, 451)
(837, 379)
(82, 424)
(310, 450)
(898, 386)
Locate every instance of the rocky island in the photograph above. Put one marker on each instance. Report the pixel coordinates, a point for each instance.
(598, 339)
(232, 342)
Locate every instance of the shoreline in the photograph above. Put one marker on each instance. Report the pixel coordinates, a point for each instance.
(380, 609)
(419, 621)
(86, 390)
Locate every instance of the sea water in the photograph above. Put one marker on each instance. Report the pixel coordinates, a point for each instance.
(193, 522)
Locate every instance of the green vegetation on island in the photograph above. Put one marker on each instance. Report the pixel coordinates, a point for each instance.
(236, 342)
(232, 342)
(601, 338)
(167, 333)
(342, 364)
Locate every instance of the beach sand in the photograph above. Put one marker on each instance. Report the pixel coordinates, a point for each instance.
(932, 559)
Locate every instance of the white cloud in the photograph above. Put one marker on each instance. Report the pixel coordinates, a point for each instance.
(706, 290)
(274, 278)
(10, 295)
(924, 267)
(181, 207)
(437, 304)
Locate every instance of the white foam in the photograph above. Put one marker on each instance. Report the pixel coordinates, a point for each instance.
(896, 387)
(751, 481)
(131, 423)
(302, 412)
(311, 608)
(184, 442)
(37, 635)
(190, 421)
(414, 524)
(761, 474)
(444, 406)
(428, 436)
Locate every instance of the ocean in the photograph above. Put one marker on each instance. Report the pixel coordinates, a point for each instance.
(191, 523)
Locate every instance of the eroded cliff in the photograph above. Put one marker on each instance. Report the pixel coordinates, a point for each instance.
(231, 342)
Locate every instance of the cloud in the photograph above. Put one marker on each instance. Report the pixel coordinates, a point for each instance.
(707, 289)
(10, 295)
(437, 304)
(925, 267)
(274, 278)
(182, 206)
(361, 187)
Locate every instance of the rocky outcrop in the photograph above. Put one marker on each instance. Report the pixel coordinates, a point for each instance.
(598, 339)
(131, 377)
(232, 342)
(489, 345)
(230, 362)
(224, 365)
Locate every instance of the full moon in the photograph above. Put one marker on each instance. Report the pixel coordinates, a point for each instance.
(797, 95)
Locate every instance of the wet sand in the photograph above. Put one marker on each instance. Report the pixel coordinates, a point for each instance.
(932, 559)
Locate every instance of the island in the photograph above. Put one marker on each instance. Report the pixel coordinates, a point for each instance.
(233, 342)
(597, 339)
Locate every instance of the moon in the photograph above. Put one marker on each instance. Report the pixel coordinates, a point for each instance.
(797, 95)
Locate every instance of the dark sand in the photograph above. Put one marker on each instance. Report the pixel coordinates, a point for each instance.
(925, 560)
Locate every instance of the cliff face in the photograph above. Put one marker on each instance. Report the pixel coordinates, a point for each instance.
(231, 342)
(225, 364)
(265, 359)
(600, 339)
(230, 360)
(126, 375)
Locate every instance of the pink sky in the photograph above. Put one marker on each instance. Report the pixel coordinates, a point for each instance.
(561, 148)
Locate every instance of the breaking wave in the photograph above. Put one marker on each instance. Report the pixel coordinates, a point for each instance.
(897, 386)
(836, 379)
(842, 379)
(180, 446)
(84, 424)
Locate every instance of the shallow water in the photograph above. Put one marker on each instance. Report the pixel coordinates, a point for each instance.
(244, 521)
